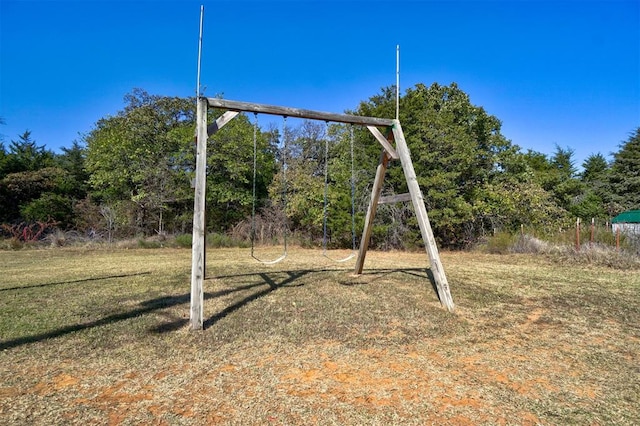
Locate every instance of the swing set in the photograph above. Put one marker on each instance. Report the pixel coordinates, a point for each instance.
(393, 135)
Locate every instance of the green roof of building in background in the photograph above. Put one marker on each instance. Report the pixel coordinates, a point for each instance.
(632, 216)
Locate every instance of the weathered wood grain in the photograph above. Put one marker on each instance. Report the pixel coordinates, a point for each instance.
(297, 112)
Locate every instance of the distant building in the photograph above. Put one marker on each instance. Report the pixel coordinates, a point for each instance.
(627, 222)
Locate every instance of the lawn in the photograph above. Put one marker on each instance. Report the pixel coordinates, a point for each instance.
(102, 337)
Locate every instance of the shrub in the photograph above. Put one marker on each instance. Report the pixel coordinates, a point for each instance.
(57, 238)
(149, 244)
(11, 244)
(49, 206)
(598, 254)
(184, 240)
(216, 240)
(526, 243)
(500, 243)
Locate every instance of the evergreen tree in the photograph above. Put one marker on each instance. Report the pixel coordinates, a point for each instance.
(33, 187)
(73, 161)
(567, 188)
(594, 169)
(25, 155)
(624, 176)
(591, 202)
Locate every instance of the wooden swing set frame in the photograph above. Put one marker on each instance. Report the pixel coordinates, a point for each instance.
(394, 134)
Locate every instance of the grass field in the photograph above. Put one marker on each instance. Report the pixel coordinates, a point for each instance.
(101, 337)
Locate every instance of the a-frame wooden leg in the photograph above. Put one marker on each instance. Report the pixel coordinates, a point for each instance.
(371, 211)
(423, 219)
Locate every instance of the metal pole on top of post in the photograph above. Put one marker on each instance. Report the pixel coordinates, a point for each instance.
(397, 82)
(199, 51)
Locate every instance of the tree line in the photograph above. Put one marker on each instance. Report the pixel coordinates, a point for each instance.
(130, 175)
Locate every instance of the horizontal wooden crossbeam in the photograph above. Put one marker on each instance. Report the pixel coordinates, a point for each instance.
(298, 113)
(397, 198)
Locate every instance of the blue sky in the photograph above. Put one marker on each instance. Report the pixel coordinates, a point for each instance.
(563, 73)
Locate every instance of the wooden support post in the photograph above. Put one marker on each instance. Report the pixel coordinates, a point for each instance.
(371, 211)
(198, 245)
(199, 229)
(423, 219)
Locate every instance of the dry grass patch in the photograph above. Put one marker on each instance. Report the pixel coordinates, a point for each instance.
(101, 337)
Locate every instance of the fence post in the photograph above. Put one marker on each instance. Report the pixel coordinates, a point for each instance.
(578, 234)
(593, 226)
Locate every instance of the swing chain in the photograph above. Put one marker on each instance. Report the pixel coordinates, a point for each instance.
(326, 188)
(353, 193)
(326, 201)
(284, 180)
(255, 167)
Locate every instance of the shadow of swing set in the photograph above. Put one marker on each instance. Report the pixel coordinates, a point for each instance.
(392, 134)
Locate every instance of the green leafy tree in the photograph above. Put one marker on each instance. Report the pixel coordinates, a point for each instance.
(49, 207)
(455, 148)
(312, 147)
(339, 190)
(588, 205)
(22, 188)
(139, 155)
(141, 162)
(511, 202)
(305, 178)
(32, 186)
(230, 173)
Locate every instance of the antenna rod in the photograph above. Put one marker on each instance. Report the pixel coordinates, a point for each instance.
(199, 51)
(397, 82)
